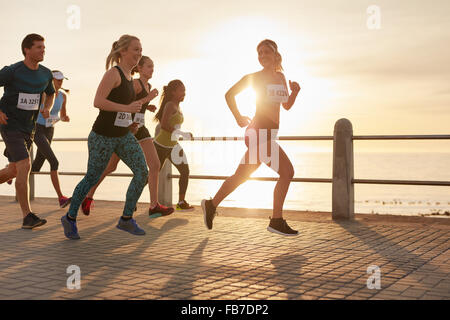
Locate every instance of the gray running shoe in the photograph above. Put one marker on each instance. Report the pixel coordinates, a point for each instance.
(130, 226)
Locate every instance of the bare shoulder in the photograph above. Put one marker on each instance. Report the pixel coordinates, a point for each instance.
(112, 76)
(281, 75)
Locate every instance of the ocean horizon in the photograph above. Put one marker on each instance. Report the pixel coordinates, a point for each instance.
(222, 158)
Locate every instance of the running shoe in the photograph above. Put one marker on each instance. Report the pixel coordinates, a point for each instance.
(160, 211)
(70, 228)
(64, 201)
(86, 205)
(184, 206)
(32, 221)
(209, 212)
(280, 226)
(130, 226)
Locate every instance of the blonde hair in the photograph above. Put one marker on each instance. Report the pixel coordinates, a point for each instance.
(272, 45)
(141, 62)
(119, 45)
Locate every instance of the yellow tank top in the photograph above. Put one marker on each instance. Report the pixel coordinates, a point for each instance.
(164, 137)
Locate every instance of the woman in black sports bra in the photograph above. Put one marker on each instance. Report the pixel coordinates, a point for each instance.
(116, 100)
(143, 90)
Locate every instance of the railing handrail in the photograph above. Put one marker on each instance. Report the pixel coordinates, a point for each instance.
(299, 138)
(343, 138)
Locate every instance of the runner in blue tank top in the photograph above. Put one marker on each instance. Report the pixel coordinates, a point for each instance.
(110, 134)
(43, 136)
(24, 83)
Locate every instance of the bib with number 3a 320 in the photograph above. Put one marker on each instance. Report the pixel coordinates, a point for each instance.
(28, 101)
(123, 119)
(277, 93)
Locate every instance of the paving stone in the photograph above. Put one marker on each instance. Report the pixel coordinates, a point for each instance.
(238, 259)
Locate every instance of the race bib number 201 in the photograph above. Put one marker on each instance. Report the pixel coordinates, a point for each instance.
(123, 119)
(28, 101)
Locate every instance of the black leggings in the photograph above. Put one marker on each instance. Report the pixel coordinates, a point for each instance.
(42, 138)
(177, 157)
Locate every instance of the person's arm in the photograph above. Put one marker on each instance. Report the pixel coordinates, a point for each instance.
(238, 87)
(151, 107)
(5, 78)
(169, 110)
(295, 89)
(111, 80)
(64, 116)
(6, 74)
(49, 97)
(48, 104)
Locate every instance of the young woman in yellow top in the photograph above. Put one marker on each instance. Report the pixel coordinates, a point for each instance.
(170, 118)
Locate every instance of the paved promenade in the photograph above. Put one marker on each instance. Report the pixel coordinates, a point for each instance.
(180, 259)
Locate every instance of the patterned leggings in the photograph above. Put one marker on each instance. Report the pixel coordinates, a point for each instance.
(100, 150)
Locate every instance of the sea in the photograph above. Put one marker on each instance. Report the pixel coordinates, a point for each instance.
(221, 158)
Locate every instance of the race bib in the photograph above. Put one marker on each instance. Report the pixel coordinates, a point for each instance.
(140, 119)
(28, 101)
(50, 121)
(123, 119)
(277, 93)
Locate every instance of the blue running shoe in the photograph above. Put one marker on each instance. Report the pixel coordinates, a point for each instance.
(70, 228)
(130, 226)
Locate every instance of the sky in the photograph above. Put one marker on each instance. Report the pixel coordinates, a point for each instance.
(386, 69)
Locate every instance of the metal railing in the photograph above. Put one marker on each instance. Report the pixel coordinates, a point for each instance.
(343, 180)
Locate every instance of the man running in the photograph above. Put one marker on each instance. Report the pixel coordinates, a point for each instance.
(24, 82)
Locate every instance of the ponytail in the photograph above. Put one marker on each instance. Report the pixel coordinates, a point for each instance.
(119, 45)
(166, 96)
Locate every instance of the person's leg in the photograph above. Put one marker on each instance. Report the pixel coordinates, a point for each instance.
(243, 172)
(38, 162)
(101, 149)
(130, 152)
(17, 151)
(8, 173)
(159, 210)
(110, 168)
(151, 157)
(40, 158)
(22, 190)
(45, 149)
(286, 172)
(241, 175)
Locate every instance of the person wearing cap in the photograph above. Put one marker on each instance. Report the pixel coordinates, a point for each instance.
(24, 84)
(45, 128)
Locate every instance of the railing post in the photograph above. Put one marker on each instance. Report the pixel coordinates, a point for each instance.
(165, 185)
(164, 182)
(31, 181)
(343, 206)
